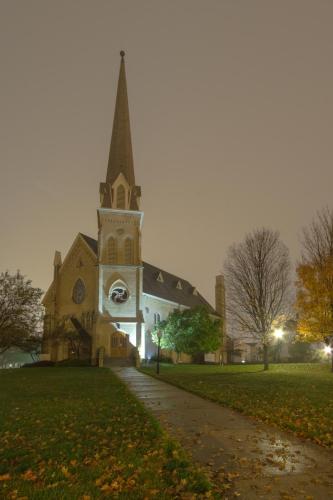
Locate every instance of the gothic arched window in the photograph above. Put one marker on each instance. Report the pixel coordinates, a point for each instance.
(79, 292)
(128, 251)
(112, 250)
(120, 197)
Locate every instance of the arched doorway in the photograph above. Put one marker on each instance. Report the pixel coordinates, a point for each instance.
(119, 345)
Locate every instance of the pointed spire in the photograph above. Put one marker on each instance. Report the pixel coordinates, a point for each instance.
(121, 156)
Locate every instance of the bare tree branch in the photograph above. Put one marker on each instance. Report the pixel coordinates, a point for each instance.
(257, 283)
(318, 239)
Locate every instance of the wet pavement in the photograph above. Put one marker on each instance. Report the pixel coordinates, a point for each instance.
(259, 461)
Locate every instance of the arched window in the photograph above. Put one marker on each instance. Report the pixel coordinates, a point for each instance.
(79, 292)
(128, 251)
(112, 250)
(157, 318)
(120, 197)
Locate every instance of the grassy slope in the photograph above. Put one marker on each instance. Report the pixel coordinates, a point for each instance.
(297, 397)
(68, 433)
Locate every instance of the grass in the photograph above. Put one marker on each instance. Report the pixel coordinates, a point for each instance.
(296, 397)
(77, 433)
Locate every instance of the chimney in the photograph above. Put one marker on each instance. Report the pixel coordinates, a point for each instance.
(220, 295)
(220, 309)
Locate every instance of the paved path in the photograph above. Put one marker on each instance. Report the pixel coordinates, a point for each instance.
(261, 461)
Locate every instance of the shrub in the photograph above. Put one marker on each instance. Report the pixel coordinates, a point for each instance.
(163, 359)
(39, 364)
(74, 362)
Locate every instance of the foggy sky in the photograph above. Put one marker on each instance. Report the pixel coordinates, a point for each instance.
(231, 114)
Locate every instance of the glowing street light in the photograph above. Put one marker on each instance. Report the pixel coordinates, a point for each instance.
(278, 333)
(327, 349)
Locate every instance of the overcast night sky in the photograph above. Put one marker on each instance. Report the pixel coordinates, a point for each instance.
(231, 107)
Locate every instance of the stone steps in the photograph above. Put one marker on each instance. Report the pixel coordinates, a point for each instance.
(110, 362)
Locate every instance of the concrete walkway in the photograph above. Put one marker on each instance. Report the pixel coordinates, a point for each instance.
(260, 461)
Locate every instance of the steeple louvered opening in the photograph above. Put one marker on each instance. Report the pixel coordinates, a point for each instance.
(112, 250)
(121, 197)
(128, 251)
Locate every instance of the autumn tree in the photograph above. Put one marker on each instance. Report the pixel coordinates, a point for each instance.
(257, 283)
(191, 331)
(314, 302)
(20, 312)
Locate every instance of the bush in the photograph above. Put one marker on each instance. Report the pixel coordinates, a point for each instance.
(74, 362)
(163, 359)
(39, 364)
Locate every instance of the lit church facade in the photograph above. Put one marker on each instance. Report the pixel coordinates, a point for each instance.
(103, 290)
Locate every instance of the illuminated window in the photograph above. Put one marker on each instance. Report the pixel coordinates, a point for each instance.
(121, 197)
(112, 250)
(128, 251)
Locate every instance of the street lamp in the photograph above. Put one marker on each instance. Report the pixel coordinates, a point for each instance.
(278, 333)
(327, 349)
(159, 336)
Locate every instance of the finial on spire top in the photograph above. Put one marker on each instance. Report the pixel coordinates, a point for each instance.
(122, 54)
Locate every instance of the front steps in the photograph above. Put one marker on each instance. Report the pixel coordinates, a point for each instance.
(111, 362)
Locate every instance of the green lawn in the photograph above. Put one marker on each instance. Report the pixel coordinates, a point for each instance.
(297, 397)
(77, 433)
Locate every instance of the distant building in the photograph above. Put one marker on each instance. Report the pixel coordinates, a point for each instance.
(102, 289)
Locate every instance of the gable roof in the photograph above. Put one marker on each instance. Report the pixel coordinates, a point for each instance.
(91, 242)
(166, 289)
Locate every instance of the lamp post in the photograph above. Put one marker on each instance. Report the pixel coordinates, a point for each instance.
(278, 334)
(159, 335)
(329, 349)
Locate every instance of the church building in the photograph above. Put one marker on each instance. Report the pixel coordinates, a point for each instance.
(104, 298)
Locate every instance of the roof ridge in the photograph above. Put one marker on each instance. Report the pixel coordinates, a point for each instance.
(167, 272)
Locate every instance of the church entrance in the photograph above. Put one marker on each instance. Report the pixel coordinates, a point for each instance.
(119, 345)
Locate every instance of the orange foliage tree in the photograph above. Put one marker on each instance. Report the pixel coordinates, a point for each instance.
(314, 302)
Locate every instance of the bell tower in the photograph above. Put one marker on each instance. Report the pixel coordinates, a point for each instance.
(119, 237)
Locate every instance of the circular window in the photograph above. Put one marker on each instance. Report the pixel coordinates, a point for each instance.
(79, 292)
(119, 295)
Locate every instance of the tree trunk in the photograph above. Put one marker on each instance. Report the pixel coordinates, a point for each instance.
(332, 359)
(265, 357)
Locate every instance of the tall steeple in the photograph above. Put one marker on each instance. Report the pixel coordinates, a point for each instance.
(121, 155)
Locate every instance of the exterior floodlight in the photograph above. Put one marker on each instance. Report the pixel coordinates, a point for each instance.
(243, 360)
(327, 349)
(278, 333)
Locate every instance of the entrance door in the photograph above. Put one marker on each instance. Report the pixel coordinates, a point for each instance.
(119, 345)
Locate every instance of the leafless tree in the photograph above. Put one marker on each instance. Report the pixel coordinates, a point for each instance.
(318, 239)
(257, 284)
